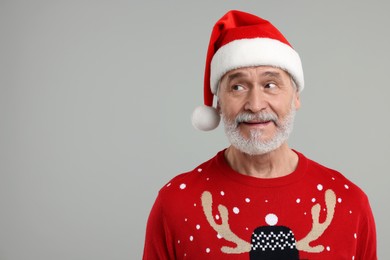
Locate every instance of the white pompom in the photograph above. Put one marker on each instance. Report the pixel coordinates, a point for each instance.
(205, 118)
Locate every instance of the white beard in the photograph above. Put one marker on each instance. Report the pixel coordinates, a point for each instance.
(254, 145)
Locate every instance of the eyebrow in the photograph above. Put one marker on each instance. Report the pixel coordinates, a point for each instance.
(237, 75)
(272, 74)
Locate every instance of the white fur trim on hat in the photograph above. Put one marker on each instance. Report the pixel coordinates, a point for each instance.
(205, 118)
(255, 52)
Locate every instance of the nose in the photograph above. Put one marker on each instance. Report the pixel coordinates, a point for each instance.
(256, 101)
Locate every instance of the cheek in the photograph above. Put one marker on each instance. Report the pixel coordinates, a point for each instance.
(283, 106)
(229, 111)
(229, 107)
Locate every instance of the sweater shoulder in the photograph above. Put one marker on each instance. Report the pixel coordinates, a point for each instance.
(190, 180)
(338, 181)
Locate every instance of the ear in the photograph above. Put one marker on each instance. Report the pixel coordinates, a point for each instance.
(297, 100)
(218, 108)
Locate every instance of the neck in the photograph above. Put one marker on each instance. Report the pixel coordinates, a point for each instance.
(277, 163)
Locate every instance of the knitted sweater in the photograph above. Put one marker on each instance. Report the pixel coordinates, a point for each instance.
(214, 212)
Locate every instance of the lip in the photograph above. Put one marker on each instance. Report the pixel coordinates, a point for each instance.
(257, 124)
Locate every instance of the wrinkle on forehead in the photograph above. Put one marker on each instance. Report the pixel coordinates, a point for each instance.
(266, 71)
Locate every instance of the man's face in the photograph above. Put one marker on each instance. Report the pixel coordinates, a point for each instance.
(257, 105)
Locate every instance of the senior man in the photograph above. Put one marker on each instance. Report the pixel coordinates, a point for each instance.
(257, 199)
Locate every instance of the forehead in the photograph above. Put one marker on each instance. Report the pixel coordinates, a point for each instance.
(258, 71)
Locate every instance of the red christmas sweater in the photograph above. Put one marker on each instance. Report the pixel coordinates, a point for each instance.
(214, 212)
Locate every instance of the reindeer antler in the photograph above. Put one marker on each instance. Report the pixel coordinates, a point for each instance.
(318, 228)
(223, 229)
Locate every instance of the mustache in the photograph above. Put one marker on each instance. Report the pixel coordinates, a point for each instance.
(261, 117)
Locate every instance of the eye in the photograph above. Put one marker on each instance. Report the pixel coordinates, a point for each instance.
(270, 85)
(237, 88)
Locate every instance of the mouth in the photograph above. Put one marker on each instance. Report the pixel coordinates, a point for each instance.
(257, 123)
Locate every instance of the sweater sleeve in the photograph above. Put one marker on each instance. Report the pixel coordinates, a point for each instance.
(158, 236)
(367, 244)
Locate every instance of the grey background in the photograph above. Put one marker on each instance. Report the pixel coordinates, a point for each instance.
(95, 105)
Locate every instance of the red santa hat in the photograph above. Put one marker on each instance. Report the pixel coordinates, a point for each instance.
(240, 40)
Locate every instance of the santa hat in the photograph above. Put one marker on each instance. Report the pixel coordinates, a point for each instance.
(240, 40)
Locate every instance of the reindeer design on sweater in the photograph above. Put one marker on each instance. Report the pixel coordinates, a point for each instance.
(284, 245)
